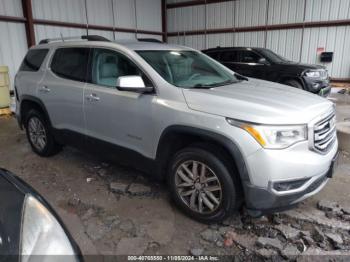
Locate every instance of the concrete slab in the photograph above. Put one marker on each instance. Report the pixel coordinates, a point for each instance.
(343, 129)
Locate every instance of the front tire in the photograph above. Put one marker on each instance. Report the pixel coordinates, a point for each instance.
(202, 186)
(39, 134)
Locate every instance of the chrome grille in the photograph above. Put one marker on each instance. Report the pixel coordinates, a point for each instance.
(325, 134)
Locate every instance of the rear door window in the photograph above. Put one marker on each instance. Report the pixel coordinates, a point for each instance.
(214, 55)
(230, 57)
(71, 63)
(33, 60)
(249, 57)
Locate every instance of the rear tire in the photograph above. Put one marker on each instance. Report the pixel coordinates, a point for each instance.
(193, 194)
(294, 83)
(39, 134)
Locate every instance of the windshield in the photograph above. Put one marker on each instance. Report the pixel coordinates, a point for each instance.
(273, 56)
(188, 69)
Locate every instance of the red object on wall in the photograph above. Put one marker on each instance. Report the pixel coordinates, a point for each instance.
(320, 50)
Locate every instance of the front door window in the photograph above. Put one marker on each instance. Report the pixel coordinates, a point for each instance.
(108, 66)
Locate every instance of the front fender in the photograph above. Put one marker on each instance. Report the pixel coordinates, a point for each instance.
(228, 144)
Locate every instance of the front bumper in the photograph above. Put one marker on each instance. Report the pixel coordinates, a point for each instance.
(318, 86)
(261, 201)
(325, 92)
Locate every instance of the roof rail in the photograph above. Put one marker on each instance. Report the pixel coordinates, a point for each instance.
(84, 37)
(95, 38)
(150, 40)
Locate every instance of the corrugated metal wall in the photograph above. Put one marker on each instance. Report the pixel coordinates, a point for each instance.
(132, 14)
(62, 10)
(295, 44)
(11, 8)
(113, 13)
(13, 43)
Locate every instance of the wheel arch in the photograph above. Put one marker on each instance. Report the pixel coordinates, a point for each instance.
(30, 102)
(177, 137)
(284, 79)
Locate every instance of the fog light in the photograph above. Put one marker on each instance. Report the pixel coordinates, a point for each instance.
(289, 185)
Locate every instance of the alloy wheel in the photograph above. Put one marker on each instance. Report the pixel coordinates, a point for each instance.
(198, 187)
(37, 133)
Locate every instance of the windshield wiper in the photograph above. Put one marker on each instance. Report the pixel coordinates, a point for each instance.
(227, 82)
(240, 77)
(202, 86)
(208, 86)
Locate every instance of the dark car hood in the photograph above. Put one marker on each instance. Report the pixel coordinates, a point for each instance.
(301, 66)
(13, 191)
(11, 204)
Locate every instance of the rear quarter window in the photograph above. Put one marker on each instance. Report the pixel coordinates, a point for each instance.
(214, 55)
(33, 60)
(71, 63)
(230, 56)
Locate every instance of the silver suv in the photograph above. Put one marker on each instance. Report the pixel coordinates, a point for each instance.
(219, 139)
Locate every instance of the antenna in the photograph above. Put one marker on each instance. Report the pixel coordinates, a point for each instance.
(62, 37)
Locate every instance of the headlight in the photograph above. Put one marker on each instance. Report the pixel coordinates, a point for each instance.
(313, 74)
(273, 137)
(42, 234)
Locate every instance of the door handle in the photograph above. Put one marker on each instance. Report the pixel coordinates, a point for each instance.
(92, 98)
(44, 89)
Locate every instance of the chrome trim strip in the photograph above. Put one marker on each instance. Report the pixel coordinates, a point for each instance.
(297, 190)
(322, 136)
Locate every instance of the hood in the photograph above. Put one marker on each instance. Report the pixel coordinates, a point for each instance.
(301, 66)
(258, 101)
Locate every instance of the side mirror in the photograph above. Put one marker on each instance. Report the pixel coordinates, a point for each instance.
(263, 61)
(133, 84)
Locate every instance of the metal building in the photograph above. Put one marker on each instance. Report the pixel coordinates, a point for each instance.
(296, 29)
(24, 23)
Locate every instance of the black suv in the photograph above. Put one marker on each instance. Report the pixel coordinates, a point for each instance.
(264, 64)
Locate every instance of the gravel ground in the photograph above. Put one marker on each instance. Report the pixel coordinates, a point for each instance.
(111, 210)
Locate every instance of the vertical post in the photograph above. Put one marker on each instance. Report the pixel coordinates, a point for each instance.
(266, 22)
(164, 21)
(114, 21)
(206, 44)
(136, 20)
(302, 33)
(87, 17)
(28, 15)
(234, 24)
